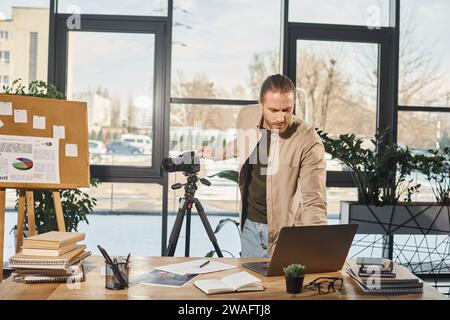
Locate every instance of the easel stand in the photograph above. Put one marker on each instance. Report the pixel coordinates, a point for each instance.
(71, 120)
(26, 197)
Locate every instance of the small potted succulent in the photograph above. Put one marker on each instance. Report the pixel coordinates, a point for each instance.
(294, 274)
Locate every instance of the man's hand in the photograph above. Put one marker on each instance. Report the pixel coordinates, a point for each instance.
(204, 152)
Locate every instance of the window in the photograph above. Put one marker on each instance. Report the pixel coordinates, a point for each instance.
(424, 66)
(424, 130)
(117, 82)
(193, 126)
(224, 49)
(114, 7)
(33, 55)
(337, 86)
(4, 81)
(4, 57)
(334, 198)
(4, 35)
(371, 13)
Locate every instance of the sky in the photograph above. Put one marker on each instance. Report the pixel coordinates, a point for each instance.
(219, 38)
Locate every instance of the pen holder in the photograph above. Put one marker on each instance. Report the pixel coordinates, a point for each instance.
(111, 280)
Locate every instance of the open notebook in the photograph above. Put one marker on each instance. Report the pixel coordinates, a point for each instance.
(237, 282)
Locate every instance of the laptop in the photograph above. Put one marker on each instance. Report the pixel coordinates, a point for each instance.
(320, 248)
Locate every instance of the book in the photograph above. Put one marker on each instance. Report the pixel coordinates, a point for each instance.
(52, 240)
(369, 261)
(72, 269)
(386, 270)
(63, 262)
(386, 267)
(165, 278)
(237, 282)
(78, 276)
(49, 252)
(375, 284)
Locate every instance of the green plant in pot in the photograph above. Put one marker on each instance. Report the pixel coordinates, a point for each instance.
(383, 177)
(294, 275)
(76, 203)
(382, 174)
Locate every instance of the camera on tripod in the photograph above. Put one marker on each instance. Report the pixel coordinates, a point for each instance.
(187, 162)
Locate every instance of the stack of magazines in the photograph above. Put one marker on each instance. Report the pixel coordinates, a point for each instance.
(384, 278)
(50, 257)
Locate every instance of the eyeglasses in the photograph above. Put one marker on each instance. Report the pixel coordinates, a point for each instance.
(325, 284)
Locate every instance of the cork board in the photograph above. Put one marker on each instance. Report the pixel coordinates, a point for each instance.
(73, 170)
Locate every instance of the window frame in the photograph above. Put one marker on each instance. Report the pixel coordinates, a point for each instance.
(387, 114)
(128, 24)
(385, 37)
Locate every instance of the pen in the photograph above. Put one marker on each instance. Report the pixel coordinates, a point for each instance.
(113, 266)
(204, 264)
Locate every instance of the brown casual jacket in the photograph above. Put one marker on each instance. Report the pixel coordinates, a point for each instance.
(296, 172)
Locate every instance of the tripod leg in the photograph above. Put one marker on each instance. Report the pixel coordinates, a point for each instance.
(207, 226)
(170, 251)
(188, 232)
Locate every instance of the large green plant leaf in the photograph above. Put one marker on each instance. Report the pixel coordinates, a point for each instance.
(232, 175)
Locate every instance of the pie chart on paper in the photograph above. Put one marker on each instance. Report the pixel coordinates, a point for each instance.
(23, 164)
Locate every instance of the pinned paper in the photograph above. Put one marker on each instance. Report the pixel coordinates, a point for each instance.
(59, 132)
(1, 123)
(71, 150)
(20, 116)
(6, 108)
(38, 122)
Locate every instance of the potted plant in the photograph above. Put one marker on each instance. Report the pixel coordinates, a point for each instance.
(76, 203)
(294, 275)
(383, 177)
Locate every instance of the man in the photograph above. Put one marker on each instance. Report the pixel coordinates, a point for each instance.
(282, 168)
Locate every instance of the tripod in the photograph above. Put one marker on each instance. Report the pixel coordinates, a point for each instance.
(185, 207)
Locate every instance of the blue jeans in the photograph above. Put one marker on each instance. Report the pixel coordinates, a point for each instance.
(254, 238)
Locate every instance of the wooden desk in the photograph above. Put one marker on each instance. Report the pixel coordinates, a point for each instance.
(94, 286)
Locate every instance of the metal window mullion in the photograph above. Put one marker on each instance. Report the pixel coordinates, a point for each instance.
(206, 101)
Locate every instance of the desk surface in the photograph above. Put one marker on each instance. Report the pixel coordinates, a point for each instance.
(94, 286)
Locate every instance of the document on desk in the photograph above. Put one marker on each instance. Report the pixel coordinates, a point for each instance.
(192, 267)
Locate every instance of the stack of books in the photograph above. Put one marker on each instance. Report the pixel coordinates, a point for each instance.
(50, 257)
(382, 267)
(384, 278)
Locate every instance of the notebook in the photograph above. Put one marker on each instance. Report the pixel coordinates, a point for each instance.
(49, 272)
(78, 276)
(385, 268)
(402, 283)
(237, 282)
(49, 252)
(52, 240)
(63, 262)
